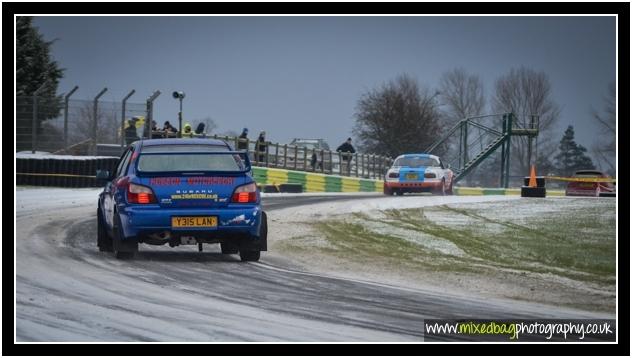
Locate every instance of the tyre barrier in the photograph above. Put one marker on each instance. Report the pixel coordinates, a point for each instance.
(67, 173)
(539, 191)
(268, 188)
(532, 192)
(291, 188)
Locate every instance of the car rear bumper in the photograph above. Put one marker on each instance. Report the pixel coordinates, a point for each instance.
(414, 185)
(579, 192)
(241, 221)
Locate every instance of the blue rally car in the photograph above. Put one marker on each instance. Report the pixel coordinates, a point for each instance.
(181, 191)
(414, 173)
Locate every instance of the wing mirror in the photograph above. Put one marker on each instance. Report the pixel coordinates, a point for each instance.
(103, 175)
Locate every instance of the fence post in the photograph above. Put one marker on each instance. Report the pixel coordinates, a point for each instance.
(66, 98)
(123, 119)
(256, 152)
(322, 157)
(284, 156)
(34, 129)
(295, 156)
(276, 155)
(340, 163)
(95, 123)
(304, 159)
(267, 154)
(357, 162)
(150, 113)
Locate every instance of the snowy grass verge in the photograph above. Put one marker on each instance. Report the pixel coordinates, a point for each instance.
(553, 250)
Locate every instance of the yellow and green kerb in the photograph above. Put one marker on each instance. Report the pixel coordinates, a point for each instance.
(314, 182)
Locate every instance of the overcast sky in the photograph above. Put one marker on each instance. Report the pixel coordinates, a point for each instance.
(302, 76)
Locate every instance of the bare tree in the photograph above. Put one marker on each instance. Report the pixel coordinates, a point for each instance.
(526, 92)
(399, 117)
(108, 123)
(605, 149)
(461, 94)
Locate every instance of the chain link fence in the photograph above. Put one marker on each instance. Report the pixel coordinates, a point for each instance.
(105, 128)
(74, 126)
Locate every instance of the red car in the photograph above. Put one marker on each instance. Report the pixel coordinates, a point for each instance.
(579, 188)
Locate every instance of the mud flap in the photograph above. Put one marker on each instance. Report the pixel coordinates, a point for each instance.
(257, 243)
(128, 244)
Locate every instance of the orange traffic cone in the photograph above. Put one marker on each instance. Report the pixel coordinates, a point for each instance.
(532, 182)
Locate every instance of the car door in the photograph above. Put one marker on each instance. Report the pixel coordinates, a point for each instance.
(109, 190)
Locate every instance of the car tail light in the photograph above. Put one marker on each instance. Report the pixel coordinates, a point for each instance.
(430, 175)
(245, 194)
(140, 194)
(393, 175)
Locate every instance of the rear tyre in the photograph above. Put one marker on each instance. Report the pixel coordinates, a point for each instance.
(249, 255)
(228, 248)
(450, 191)
(388, 191)
(399, 192)
(123, 249)
(104, 241)
(441, 191)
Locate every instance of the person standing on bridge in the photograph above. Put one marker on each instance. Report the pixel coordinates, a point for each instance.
(346, 150)
(170, 131)
(187, 133)
(261, 147)
(130, 132)
(242, 141)
(199, 131)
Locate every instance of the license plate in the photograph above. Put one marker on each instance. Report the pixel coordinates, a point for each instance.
(194, 221)
(411, 176)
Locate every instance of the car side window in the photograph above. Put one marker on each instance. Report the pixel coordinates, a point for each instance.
(128, 160)
(123, 162)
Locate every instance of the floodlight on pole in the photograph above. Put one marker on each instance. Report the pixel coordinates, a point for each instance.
(180, 96)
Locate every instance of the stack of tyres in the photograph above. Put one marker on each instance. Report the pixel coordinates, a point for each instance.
(539, 191)
(64, 169)
(291, 188)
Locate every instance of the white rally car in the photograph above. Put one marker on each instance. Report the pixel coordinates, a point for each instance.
(414, 173)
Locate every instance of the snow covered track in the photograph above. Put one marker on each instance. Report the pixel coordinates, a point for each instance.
(66, 290)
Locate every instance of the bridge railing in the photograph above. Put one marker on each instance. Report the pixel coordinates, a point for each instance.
(314, 160)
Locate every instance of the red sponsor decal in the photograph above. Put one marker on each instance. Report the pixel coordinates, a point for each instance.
(211, 181)
(164, 181)
(193, 181)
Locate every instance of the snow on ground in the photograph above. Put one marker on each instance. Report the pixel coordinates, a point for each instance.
(67, 291)
(301, 244)
(38, 199)
(382, 203)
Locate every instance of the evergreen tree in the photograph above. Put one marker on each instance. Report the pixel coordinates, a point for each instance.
(571, 156)
(34, 68)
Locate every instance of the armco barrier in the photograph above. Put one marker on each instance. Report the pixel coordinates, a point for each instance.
(315, 182)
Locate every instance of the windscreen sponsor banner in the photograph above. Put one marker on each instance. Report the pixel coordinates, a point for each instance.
(545, 330)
